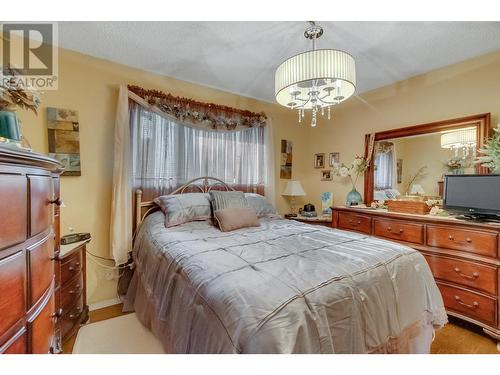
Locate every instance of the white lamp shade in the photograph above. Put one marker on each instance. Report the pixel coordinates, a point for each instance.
(293, 189)
(417, 189)
(459, 138)
(332, 73)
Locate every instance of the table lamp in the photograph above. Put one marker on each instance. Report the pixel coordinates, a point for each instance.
(293, 189)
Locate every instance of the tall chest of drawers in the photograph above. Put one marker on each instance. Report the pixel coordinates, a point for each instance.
(29, 245)
(463, 257)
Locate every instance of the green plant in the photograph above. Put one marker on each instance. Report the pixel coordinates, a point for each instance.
(491, 152)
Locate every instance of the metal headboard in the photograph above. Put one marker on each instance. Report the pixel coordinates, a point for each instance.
(143, 209)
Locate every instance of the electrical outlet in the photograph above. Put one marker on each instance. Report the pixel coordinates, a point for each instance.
(110, 274)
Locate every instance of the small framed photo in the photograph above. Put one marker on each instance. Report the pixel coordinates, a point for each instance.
(334, 158)
(326, 175)
(319, 160)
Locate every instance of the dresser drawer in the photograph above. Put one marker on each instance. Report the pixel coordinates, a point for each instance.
(479, 242)
(71, 266)
(464, 272)
(13, 190)
(359, 223)
(12, 300)
(72, 317)
(397, 230)
(40, 195)
(71, 292)
(469, 303)
(42, 328)
(41, 267)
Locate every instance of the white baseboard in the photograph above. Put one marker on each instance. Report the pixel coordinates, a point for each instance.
(106, 303)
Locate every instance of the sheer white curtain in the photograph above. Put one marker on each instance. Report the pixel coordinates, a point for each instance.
(385, 162)
(166, 154)
(157, 154)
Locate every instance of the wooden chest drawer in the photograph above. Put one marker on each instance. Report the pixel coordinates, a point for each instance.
(41, 267)
(42, 328)
(71, 266)
(71, 292)
(13, 190)
(71, 318)
(474, 305)
(479, 242)
(464, 272)
(12, 295)
(351, 221)
(398, 230)
(40, 196)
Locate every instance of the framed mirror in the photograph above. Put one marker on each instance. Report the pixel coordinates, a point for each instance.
(412, 161)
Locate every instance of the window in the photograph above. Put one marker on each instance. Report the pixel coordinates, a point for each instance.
(167, 154)
(384, 172)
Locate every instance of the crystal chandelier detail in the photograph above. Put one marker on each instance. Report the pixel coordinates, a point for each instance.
(315, 80)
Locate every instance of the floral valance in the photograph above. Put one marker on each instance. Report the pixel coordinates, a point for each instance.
(213, 116)
(384, 147)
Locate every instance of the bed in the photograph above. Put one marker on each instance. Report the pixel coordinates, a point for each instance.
(282, 287)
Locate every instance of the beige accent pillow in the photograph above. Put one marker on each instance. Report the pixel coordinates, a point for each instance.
(233, 218)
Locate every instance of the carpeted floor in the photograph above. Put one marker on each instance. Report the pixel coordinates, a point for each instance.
(456, 337)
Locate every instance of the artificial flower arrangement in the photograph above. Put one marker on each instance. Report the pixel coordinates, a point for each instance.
(358, 166)
(491, 152)
(14, 95)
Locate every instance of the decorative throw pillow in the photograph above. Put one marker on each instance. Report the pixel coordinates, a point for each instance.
(183, 208)
(260, 204)
(233, 218)
(226, 199)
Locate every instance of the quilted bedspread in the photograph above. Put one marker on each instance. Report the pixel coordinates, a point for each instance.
(284, 287)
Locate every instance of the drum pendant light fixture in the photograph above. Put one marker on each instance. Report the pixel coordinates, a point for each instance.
(315, 80)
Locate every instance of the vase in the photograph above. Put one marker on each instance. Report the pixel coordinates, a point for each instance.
(353, 198)
(9, 126)
(457, 171)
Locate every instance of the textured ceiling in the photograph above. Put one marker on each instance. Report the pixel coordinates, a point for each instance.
(241, 57)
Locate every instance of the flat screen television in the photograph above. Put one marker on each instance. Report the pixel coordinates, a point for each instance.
(473, 196)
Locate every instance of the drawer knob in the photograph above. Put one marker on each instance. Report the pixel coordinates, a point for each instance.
(57, 201)
(57, 314)
(474, 305)
(75, 267)
(468, 240)
(76, 314)
(451, 238)
(76, 290)
(474, 275)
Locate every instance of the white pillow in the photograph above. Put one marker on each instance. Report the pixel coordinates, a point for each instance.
(183, 208)
(260, 204)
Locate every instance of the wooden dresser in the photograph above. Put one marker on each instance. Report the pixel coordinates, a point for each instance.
(29, 245)
(72, 292)
(462, 255)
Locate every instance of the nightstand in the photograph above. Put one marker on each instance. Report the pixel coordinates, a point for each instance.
(325, 220)
(72, 295)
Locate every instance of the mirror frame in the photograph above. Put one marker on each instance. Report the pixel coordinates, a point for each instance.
(483, 131)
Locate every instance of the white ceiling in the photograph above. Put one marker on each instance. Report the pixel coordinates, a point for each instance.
(241, 57)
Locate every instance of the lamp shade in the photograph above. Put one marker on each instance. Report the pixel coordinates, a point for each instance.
(459, 138)
(417, 189)
(293, 189)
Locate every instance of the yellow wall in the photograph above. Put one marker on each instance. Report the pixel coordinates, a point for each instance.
(466, 88)
(90, 85)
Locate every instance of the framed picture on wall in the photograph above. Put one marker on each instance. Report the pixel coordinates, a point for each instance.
(326, 175)
(319, 160)
(334, 158)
